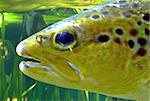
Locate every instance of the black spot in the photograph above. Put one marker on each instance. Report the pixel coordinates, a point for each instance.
(131, 43)
(135, 5)
(141, 52)
(117, 40)
(103, 38)
(95, 16)
(146, 17)
(142, 41)
(133, 32)
(147, 31)
(119, 31)
(139, 23)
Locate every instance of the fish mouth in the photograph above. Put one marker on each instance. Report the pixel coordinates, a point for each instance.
(69, 71)
(46, 62)
(32, 60)
(28, 63)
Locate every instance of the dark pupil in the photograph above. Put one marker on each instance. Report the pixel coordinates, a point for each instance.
(65, 38)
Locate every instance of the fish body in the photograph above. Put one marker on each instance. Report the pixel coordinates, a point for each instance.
(105, 49)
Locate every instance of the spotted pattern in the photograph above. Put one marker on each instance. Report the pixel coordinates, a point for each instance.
(142, 41)
(119, 31)
(147, 31)
(134, 32)
(139, 23)
(131, 43)
(137, 37)
(117, 40)
(141, 52)
(95, 16)
(146, 17)
(135, 5)
(131, 31)
(102, 38)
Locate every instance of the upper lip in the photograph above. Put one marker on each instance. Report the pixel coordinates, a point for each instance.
(32, 60)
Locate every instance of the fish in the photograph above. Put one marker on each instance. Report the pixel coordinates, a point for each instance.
(105, 50)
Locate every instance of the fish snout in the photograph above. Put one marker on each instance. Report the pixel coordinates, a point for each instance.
(21, 48)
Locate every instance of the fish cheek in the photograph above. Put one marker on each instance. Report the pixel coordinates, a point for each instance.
(43, 75)
(60, 65)
(64, 70)
(36, 73)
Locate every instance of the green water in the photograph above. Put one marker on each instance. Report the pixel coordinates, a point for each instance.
(15, 27)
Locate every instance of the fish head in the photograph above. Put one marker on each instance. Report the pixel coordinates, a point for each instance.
(49, 54)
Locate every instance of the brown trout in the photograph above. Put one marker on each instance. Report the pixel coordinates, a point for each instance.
(105, 50)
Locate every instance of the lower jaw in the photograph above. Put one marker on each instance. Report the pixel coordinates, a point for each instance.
(30, 64)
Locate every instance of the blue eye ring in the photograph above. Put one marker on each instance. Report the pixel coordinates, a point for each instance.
(64, 40)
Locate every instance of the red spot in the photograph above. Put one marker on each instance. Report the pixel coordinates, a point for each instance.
(141, 52)
(133, 32)
(117, 40)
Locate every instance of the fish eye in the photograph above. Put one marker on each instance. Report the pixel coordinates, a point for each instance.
(64, 40)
